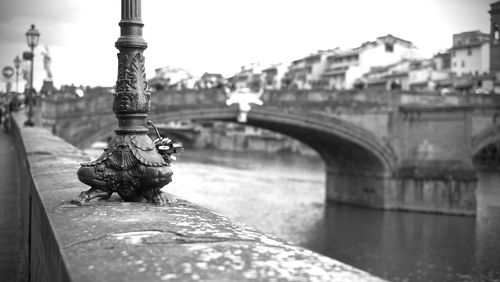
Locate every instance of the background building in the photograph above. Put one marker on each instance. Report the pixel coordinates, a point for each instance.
(345, 68)
(210, 80)
(171, 78)
(470, 54)
(495, 44)
(273, 76)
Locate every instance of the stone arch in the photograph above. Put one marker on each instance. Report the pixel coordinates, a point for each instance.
(484, 138)
(360, 167)
(485, 147)
(320, 133)
(313, 131)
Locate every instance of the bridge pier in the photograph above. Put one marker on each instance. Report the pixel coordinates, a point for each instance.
(441, 187)
(450, 191)
(357, 188)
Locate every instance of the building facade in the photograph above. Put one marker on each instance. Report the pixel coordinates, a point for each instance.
(306, 73)
(171, 78)
(345, 69)
(495, 44)
(442, 61)
(273, 76)
(342, 69)
(249, 76)
(408, 75)
(470, 54)
(209, 81)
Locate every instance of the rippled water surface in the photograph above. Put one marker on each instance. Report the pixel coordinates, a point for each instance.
(285, 195)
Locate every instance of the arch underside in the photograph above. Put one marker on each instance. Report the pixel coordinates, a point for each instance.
(488, 156)
(486, 148)
(359, 168)
(336, 141)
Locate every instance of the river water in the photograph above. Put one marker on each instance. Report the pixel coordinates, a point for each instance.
(284, 195)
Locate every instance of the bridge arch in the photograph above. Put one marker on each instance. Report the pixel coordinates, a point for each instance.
(484, 138)
(321, 135)
(485, 147)
(359, 165)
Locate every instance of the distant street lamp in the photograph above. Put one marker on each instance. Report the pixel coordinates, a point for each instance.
(8, 72)
(32, 36)
(17, 64)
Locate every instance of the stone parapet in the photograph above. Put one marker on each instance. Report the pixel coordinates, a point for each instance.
(118, 241)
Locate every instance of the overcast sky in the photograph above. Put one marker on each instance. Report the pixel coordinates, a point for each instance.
(222, 35)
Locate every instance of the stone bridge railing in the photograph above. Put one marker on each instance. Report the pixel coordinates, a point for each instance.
(306, 101)
(354, 107)
(117, 241)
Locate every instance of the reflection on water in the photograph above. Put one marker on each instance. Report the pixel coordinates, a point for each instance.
(285, 195)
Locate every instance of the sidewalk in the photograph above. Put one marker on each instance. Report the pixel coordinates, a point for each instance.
(10, 214)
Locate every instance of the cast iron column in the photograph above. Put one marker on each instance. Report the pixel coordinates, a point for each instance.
(32, 37)
(17, 64)
(132, 165)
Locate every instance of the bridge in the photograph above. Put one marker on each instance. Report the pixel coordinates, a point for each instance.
(381, 149)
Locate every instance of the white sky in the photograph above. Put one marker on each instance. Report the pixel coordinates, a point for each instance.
(222, 35)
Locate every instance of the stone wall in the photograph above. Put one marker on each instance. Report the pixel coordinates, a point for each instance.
(118, 241)
(435, 172)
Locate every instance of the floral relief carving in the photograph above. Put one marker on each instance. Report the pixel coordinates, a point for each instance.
(132, 93)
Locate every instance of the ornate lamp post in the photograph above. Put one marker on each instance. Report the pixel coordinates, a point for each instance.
(133, 166)
(17, 64)
(32, 37)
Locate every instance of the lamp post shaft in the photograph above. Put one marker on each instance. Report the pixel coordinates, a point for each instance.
(30, 113)
(32, 36)
(17, 79)
(29, 121)
(132, 100)
(132, 166)
(32, 66)
(17, 64)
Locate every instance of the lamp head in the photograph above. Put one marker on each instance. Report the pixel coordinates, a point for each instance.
(32, 36)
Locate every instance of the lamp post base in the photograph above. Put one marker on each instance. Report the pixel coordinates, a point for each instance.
(133, 167)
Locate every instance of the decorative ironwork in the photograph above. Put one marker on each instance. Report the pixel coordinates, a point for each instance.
(132, 94)
(133, 165)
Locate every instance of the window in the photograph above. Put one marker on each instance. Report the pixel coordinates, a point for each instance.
(453, 53)
(496, 33)
(454, 64)
(389, 47)
(469, 51)
(463, 64)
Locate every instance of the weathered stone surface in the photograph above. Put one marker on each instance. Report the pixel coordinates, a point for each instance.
(10, 213)
(118, 241)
